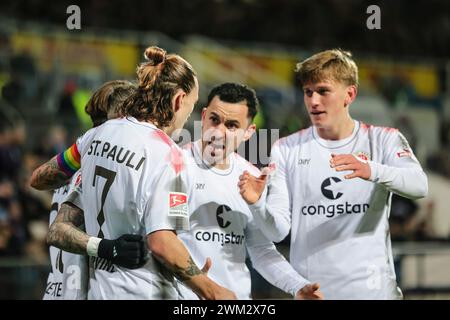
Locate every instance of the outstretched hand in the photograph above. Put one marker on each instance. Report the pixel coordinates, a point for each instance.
(250, 187)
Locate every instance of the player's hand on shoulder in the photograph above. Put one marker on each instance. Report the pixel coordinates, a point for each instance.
(251, 187)
(344, 162)
(129, 251)
(310, 292)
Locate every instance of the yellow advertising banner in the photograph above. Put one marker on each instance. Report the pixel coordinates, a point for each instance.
(75, 53)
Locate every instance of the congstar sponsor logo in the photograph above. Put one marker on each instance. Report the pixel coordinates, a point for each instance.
(224, 218)
(332, 189)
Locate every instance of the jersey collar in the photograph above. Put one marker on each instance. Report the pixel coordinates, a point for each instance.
(335, 144)
(142, 123)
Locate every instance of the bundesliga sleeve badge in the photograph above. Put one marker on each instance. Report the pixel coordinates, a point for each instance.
(178, 205)
(405, 148)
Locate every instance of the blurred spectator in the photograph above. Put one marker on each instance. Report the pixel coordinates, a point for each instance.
(54, 142)
(439, 162)
(424, 226)
(36, 207)
(406, 224)
(11, 141)
(72, 101)
(66, 108)
(20, 206)
(22, 86)
(5, 51)
(12, 236)
(11, 91)
(403, 211)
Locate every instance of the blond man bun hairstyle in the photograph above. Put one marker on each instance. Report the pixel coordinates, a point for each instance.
(158, 80)
(154, 55)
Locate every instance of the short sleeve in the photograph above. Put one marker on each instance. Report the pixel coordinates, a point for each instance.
(167, 207)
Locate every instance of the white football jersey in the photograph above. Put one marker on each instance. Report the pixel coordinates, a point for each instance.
(340, 232)
(132, 184)
(223, 229)
(68, 278)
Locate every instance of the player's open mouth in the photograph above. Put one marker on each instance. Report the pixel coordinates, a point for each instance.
(316, 113)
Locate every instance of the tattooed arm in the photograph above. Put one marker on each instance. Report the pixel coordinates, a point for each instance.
(167, 247)
(66, 231)
(48, 176)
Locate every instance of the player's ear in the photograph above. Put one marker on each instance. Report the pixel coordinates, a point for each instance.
(351, 93)
(249, 131)
(178, 100)
(203, 114)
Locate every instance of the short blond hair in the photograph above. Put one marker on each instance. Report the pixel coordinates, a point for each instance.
(335, 64)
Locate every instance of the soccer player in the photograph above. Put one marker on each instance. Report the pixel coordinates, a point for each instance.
(68, 278)
(222, 226)
(133, 183)
(332, 183)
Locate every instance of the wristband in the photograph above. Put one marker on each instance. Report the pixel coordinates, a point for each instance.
(92, 246)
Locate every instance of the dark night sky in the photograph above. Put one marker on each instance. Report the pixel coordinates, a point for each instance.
(409, 28)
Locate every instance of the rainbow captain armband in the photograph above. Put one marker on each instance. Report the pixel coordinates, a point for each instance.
(69, 160)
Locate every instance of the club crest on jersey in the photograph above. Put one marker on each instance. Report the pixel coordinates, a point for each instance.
(361, 155)
(178, 206)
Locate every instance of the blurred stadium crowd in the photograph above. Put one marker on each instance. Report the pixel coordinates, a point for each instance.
(47, 75)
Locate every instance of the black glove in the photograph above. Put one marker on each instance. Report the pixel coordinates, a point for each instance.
(127, 251)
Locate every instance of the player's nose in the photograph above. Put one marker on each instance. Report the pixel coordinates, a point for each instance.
(313, 100)
(213, 134)
(219, 133)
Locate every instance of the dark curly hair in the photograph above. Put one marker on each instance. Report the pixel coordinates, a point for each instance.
(235, 92)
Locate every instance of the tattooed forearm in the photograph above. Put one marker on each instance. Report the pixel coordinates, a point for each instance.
(66, 231)
(184, 274)
(167, 248)
(48, 176)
